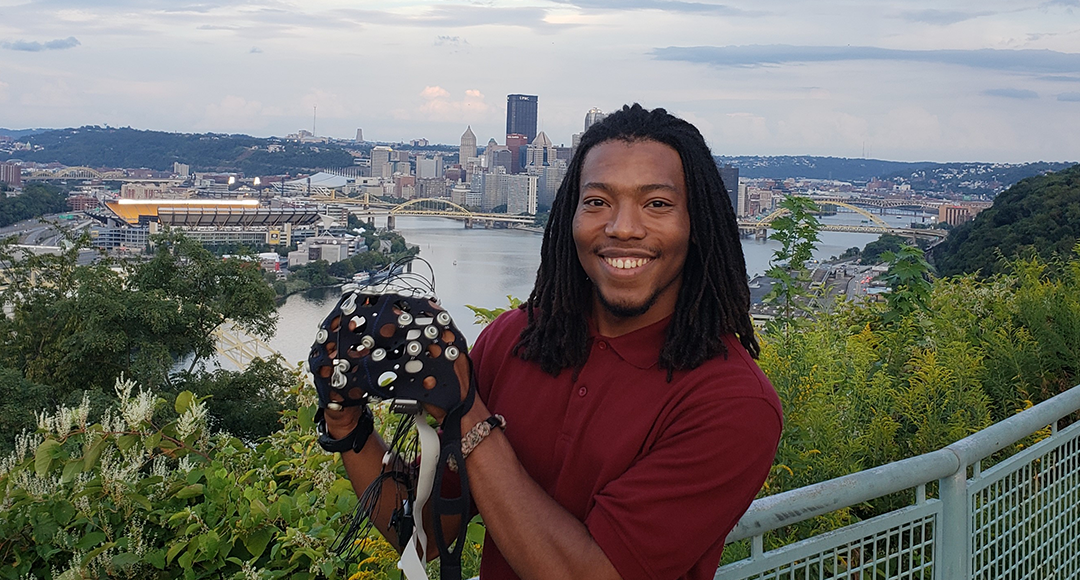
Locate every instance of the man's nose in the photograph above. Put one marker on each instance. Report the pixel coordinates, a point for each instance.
(625, 223)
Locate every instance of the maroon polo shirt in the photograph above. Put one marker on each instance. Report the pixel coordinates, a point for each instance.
(658, 472)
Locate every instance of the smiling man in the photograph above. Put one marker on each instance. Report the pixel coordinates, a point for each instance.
(638, 427)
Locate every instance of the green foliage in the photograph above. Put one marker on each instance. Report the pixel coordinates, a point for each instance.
(797, 232)
(130, 496)
(485, 316)
(77, 327)
(871, 254)
(860, 388)
(908, 278)
(36, 200)
(245, 404)
(1039, 213)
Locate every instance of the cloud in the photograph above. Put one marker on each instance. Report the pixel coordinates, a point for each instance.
(1067, 97)
(1011, 93)
(255, 50)
(664, 5)
(439, 105)
(1060, 79)
(27, 46)
(458, 16)
(450, 41)
(3, 91)
(1040, 61)
(940, 17)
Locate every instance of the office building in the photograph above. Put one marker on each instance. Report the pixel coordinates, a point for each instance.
(729, 174)
(521, 116)
(540, 151)
(593, 117)
(467, 149)
(11, 174)
(517, 143)
(359, 135)
(521, 194)
(380, 162)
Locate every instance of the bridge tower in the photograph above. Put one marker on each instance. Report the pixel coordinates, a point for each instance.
(390, 222)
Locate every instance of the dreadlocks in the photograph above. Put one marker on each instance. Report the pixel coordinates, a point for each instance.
(714, 298)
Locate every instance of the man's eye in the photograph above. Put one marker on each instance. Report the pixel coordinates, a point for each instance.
(593, 202)
(658, 203)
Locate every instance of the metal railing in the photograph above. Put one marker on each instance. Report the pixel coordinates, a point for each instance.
(1019, 519)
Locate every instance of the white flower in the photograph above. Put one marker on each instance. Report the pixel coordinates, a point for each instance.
(191, 420)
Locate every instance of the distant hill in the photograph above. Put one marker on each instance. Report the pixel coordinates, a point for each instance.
(124, 147)
(1041, 213)
(20, 133)
(975, 179)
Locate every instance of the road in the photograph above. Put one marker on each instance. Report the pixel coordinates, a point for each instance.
(33, 232)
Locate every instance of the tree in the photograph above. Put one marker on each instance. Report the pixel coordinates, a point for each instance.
(206, 291)
(797, 232)
(908, 278)
(76, 327)
(871, 254)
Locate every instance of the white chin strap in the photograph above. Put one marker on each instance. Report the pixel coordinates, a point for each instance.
(414, 555)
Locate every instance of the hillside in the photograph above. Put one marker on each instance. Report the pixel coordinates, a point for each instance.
(125, 147)
(975, 179)
(1040, 213)
(810, 167)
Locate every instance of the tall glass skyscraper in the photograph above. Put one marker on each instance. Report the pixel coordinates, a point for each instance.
(521, 116)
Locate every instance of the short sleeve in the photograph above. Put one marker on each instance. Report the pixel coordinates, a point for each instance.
(673, 508)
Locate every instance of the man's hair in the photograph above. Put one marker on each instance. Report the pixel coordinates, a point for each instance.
(714, 298)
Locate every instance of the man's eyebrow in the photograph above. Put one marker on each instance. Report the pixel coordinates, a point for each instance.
(641, 188)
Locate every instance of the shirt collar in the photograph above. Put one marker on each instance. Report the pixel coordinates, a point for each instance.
(640, 348)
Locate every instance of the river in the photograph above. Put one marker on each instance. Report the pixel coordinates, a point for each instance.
(481, 267)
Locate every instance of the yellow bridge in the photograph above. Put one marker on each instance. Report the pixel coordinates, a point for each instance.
(423, 207)
(760, 226)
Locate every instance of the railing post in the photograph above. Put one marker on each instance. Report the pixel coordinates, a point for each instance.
(954, 529)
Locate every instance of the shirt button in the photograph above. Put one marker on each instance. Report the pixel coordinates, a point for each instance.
(602, 345)
(582, 391)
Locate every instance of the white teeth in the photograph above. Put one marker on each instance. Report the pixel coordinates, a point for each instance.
(626, 263)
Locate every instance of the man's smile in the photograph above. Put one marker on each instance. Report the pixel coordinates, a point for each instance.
(625, 262)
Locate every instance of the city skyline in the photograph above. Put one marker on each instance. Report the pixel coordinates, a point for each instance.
(902, 80)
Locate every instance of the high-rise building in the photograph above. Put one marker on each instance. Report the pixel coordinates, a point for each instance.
(467, 148)
(593, 117)
(521, 194)
(517, 144)
(540, 151)
(11, 174)
(359, 135)
(521, 116)
(729, 174)
(380, 162)
(427, 168)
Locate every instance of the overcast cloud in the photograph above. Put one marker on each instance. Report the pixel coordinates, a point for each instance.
(992, 80)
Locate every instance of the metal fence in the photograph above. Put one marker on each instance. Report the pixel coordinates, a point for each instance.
(1019, 519)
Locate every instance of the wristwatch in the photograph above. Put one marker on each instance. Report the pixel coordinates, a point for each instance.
(356, 438)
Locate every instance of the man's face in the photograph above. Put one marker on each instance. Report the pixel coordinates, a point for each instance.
(632, 229)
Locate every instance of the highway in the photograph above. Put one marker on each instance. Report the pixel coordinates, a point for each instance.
(33, 232)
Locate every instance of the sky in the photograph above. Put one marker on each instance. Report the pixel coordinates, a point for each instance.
(907, 80)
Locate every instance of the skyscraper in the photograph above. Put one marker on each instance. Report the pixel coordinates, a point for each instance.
(729, 174)
(517, 144)
(467, 148)
(593, 117)
(521, 116)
